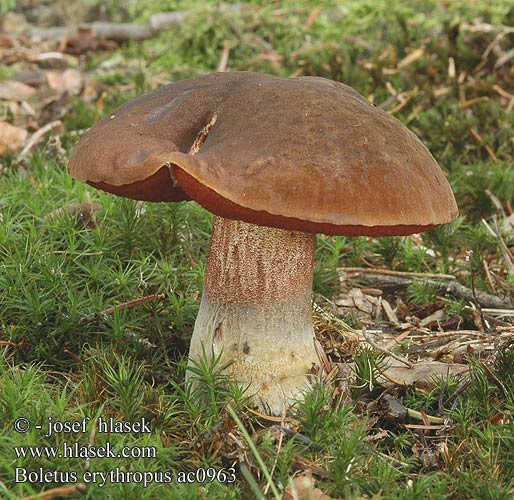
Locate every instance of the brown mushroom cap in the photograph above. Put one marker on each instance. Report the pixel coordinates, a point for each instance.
(299, 153)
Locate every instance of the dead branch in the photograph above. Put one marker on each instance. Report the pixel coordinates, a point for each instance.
(121, 32)
(118, 32)
(452, 288)
(389, 272)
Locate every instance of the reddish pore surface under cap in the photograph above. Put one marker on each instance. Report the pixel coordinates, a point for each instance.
(157, 187)
(161, 187)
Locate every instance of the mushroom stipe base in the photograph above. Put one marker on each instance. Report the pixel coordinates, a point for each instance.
(256, 310)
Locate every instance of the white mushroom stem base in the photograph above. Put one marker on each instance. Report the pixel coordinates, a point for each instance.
(256, 310)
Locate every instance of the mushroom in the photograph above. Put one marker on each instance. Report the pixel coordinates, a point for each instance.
(276, 160)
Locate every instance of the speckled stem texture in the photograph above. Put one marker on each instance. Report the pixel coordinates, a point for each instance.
(256, 309)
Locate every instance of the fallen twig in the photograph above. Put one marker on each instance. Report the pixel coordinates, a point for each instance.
(62, 491)
(498, 312)
(132, 303)
(480, 27)
(120, 307)
(387, 280)
(118, 32)
(388, 272)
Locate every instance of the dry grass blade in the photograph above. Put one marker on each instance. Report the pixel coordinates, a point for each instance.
(37, 136)
(378, 347)
(508, 258)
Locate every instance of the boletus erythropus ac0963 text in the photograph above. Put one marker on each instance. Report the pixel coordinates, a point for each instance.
(276, 160)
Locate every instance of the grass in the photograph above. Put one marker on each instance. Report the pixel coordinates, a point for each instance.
(65, 357)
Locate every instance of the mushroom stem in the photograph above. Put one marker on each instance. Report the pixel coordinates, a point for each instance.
(256, 309)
